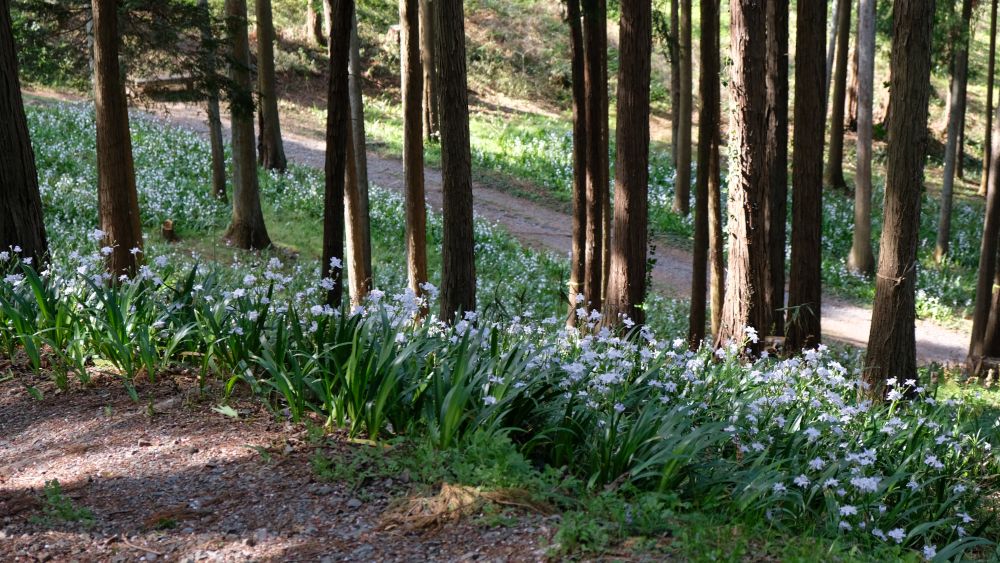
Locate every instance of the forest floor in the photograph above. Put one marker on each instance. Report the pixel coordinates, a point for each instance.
(542, 227)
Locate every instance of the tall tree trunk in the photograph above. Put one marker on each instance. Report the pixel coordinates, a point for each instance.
(746, 303)
(776, 166)
(413, 144)
(990, 76)
(851, 117)
(356, 204)
(891, 344)
(428, 52)
(208, 47)
(270, 150)
(576, 271)
(595, 51)
(716, 241)
(247, 229)
(861, 258)
(960, 65)
(708, 165)
(987, 290)
(831, 50)
(337, 142)
(21, 221)
(314, 24)
(116, 195)
(605, 164)
(458, 259)
(674, 48)
(802, 326)
(627, 283)
(834, 175)
(682, 185)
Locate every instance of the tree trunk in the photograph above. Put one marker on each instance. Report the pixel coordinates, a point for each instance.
(247, 229)
(802, 326)
(682, 185)
(776, 166)
(212, 104)
(413, 144)
(987, 290)
(458, 259)
(116, 194)
(834, 175)
(831, 50)
(990, 76)
(746, 304)
(851, 117)
(605, 165)
(314, 24)
(576, 271)
(674, 49)
(861, 258)
(359, 245)
(891, 344)
(21, 221)
(270, 150)
(716, 252)
(708, 151)
(337, 142)
(960, 65)
(428, 52)
(627, 283)
(595, 51)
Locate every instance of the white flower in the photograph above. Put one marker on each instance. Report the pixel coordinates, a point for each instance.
(336, 263)
(930, 551)
(802, 481)
(932, 461)
(866, 484)
(107, 250)
(135, 250)
(816, 464)
(898, 534)
(490, 400)
(879, 534)
(751, 333)
(96, 235)
(779, 488)
(848, 510)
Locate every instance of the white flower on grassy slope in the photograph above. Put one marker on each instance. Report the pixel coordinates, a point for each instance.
(897, 534)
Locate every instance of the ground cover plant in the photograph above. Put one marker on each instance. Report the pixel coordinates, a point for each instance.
(783, 444)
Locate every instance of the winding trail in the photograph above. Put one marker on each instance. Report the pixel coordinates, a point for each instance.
(542, 228)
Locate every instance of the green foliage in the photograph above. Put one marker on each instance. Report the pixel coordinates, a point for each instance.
(56, 507)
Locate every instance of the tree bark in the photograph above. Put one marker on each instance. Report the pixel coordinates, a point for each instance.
(314, 24)
(595, 51)
(716, 252)
(674, 49)
(990, 76)
(861, 258)
(458, 259)
(891, 344)
(247, 229)
(428, 52)
(746, 303)
(413, 145)
(212, 104)
(960, 65)
(116, 193)
(270, 150)
(831, 50)
(708, 165)
(356, 204)
(21, 221)
(802, 325)
(987, 290)
(682, 185)
(834, 175)
(776, 166)
(577, 271)
(337, 142)
(851, 112)
(627, 283)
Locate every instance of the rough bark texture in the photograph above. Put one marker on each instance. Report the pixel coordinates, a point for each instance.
(956, 114)
(212, 104)
(851, 111)
(627, 283)
(413, 144)
(708, 166)
(595, 50)
(116, 196)
(458, 259)
(776, 204)
(802, 326)
(337, 141)
(247, 228)
(990, 74)
(576, 271)
(834, 175)
(746, 304)
(270, 150)
(606, 223)
(682, 185)
(861, 258)
(674, 48)
(831, 50)
(20, 204)
(428, 52)
(356, 218)
(891, 344)
(986, 287)
(716, 253)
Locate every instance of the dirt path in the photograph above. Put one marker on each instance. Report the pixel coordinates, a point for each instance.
(542, 228)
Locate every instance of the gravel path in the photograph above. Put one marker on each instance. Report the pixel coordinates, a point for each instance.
(543, 228)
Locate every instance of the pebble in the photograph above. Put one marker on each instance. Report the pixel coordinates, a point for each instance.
(354, 503)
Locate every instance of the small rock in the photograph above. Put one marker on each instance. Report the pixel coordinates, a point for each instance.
(354, 503)
(363, 551)
(144, 443)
